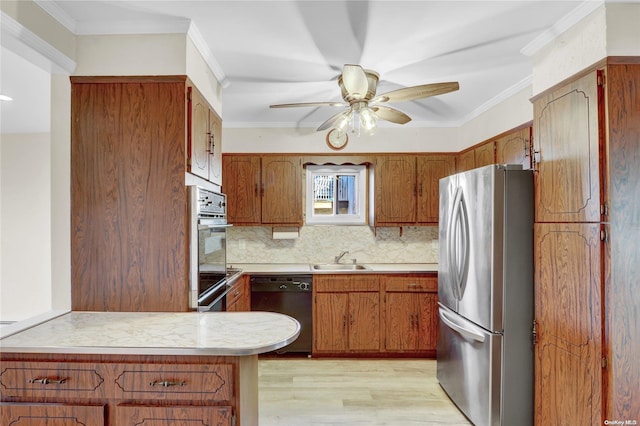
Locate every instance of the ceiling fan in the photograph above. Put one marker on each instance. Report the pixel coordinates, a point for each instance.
(358, 87)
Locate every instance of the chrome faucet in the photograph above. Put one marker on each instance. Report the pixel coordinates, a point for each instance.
(340, 256)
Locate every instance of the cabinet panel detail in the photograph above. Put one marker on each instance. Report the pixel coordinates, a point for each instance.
(175, 382)
(131, 415)
(567, 144)
(21, 414)
(52, 379)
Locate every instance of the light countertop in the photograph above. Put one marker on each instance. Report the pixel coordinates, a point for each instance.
(157, 333)
(305, 268)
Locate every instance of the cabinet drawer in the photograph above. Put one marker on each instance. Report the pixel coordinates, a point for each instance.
(23, 414)
(174, 382)
(130, 415)
(417, 284)
(346, 283)
(52, 379)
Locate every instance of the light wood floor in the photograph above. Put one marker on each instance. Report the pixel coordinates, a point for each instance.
(331, 392)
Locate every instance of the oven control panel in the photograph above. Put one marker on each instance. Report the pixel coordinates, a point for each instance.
(211, 204)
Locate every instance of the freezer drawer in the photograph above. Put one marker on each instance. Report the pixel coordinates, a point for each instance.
(468, 367)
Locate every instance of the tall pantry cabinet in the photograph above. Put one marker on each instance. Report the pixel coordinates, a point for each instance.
(130, 143)
(587, 161)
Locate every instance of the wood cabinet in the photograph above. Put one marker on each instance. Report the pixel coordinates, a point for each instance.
(19, 414)
(129, 202)
(375, 314)
(395, 190)
(204, 139)
(568, 323)
(586, 258)
(123, 390)
(515, 148)
(411, 313)
(263, 190)
(478, 156)
(346, 314)
(239, 297)
(406, 188)
(430, 169)
(567, 152)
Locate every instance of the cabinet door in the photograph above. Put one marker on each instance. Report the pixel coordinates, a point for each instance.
(400, 322)
(565, 134)
(515, 148)
(239, 298)
(427, 324)
(21, 414)
(281, 190)
(242, 186)
(466, 161)
(330, 322)
(485, 154)
(131, 415)
(568, 305)
(430, 169)
(395, 190)
(215, 148)
(198, 155)
(364, 321)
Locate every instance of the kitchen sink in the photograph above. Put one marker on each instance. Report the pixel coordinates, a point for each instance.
(339, 267)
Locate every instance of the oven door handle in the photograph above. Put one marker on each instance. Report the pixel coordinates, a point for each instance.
(219, 298)
(204, 296)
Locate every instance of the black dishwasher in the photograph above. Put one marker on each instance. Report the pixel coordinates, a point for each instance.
(290, 295)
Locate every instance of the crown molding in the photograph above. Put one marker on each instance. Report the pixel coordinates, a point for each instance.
(58, 14)
(565, 23)
(27, 44)
(196, 37)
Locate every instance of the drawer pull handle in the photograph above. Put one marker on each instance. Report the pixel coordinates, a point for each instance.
(48, 381)
(166, 383)
(414, 285)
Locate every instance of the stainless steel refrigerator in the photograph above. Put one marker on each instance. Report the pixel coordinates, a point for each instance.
(485, 294)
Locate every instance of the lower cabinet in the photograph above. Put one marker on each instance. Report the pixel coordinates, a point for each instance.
(25, 414)
(411, 308)
(375, 314)
(346, 314)
(97, 390)
(239, 297)
(172, 416)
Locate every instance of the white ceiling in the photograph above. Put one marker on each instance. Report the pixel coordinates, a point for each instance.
(292, 51)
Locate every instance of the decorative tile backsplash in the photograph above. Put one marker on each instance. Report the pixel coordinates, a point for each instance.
(321, 244)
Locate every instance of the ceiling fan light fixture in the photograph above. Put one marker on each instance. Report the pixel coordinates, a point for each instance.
(368, 120)
(343, 122)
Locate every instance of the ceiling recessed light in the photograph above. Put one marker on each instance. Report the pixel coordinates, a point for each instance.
(5, 98)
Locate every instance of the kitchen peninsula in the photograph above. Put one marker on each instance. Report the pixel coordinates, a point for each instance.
(108, 368)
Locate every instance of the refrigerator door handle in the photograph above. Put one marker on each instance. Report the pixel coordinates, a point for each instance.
(458, 244)
(464, 331)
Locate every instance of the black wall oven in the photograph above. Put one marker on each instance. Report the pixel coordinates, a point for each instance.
(209, 283)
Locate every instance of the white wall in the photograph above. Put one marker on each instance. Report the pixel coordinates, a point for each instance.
(25, 225)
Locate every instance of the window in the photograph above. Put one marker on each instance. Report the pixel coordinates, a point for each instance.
(336, 195)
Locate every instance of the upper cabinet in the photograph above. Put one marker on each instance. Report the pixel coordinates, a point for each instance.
(406, 188)
(204, 139)
(567, 153)
(480, 155)
(263, 189)
(515, 148)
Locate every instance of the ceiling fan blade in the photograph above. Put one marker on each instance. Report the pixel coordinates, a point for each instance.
(391, 114)
(333, 119)
(417, 92)
(355, 81)
(308, 104)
